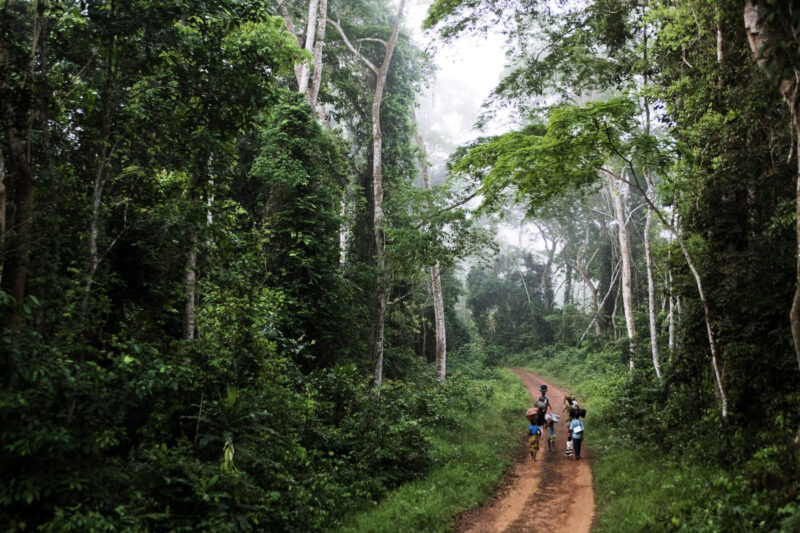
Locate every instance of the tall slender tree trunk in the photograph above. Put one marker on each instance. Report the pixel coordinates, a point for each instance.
(101, 178)
(651, 289)
(23, 221)
(316, 81)
(377, 190)
(200, 180)
(625, 254)
(671, 314)
(381, 289)
(305, 68)
(547, 274)
(435, 271)
(566, 329)
(438, 313)
(189, 283)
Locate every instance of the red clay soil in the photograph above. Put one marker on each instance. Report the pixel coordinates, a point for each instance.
(552, 494)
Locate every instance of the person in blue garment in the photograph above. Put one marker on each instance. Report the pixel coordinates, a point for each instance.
(534, 432)
(576, 430)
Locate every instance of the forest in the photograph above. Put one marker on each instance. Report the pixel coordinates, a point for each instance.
(250, 282)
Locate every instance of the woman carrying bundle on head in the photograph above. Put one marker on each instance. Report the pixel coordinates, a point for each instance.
(542, 404)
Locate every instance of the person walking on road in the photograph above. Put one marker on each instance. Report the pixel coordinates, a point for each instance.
(543, 404)
(534, 432)
(576, 429)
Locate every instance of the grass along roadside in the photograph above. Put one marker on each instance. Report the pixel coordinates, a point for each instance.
(470, 461)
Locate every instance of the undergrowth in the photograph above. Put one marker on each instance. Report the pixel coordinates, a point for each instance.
(469, 460)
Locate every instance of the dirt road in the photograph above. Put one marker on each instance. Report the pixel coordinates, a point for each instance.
(549, 495)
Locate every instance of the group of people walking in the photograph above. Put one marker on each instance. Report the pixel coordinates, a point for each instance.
(542, 421)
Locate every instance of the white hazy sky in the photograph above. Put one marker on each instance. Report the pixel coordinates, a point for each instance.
(467, 70)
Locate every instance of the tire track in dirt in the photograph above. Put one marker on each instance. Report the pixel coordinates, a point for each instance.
(552, 494)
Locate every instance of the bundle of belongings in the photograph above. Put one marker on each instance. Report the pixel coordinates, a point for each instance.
(573, 408)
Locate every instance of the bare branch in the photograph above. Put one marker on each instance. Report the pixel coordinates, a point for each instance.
(352, 48)
(373, 40)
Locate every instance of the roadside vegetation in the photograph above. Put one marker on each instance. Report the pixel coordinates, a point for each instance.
(469, 458)
(657, 468)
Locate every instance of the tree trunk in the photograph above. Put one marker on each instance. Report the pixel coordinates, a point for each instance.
(100, 180)
(436, 280)
(438, 311)
(377, 190)
(565, 321)
(567, 277)
(759, 39)
(316, 81)
(718, 383)
(343, 234)
(20, 166)
(189, 282)
(625, 254)
(719, 386)
(592, 291)
(672, 306)
(23, 221)
(305, 68)
(547, 284)
(651, 289)
(671, 314)
(199, 181)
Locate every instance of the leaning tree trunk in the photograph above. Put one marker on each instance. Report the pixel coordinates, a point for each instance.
(719, 386)
(624, 250)
(381, 289)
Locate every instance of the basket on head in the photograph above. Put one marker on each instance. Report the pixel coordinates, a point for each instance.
(543, 388)
(532, 414)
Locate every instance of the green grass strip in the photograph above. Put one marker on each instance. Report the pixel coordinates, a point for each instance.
(470, 462)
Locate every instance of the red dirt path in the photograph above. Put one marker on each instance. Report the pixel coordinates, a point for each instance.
(550, 495)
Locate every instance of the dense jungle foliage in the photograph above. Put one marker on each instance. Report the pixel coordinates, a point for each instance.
(196, 289)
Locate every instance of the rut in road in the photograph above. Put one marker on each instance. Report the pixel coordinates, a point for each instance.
(549, 495)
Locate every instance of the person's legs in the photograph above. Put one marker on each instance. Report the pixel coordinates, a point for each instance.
(577, 447)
